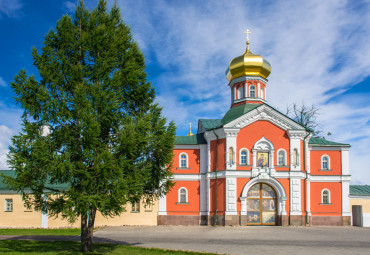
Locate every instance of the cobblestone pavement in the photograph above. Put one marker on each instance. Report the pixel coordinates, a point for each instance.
(244, 240)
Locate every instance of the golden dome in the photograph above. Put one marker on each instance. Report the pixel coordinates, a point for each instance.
(248, 64)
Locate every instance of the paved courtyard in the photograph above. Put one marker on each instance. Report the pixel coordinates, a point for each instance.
(244, 240)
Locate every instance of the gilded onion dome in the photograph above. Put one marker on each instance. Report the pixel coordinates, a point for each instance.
(248, 64)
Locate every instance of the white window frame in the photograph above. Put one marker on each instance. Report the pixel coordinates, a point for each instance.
(135, 207)
(322, 162)
(240, 92)
(250, 90)
(240, 156)
(179, 196)
(187, 160)
(8, 205)
(322, 197)
(285, 157)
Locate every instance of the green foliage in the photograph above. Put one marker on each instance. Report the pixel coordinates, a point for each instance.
(107, 142)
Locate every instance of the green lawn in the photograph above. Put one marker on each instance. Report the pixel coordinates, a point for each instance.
(41, 231)
(68, 247)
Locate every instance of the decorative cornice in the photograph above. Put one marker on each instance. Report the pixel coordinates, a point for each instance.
(267, 113)
(247, 78)
(231, 132)
(301, 134)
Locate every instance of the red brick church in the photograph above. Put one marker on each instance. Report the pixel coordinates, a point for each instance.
(256, 166)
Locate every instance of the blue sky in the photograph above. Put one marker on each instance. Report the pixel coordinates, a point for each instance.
(319, 52)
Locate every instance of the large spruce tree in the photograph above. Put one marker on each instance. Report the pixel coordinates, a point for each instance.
(107, 143)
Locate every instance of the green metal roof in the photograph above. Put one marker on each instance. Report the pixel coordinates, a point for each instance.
(11, 173)
(210, 124)
(317, 141)
(359, 190)
(237, 111)
(192, 139)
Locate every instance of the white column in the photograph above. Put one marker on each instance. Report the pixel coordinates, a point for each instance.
(243, 204)
(245, 90)
(258, 90)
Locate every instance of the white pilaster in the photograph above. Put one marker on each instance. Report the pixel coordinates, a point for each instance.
(231, 196)
(231, 143)
(162, 205)
(296, 136)
(345, 161)
(295, 196)
(44, 216)
(258, 94)
(345, 199)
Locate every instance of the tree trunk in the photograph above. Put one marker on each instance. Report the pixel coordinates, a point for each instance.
(87, 230)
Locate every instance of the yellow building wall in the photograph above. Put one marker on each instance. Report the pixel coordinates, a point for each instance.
(360, 201)
(20, 217)
(144, 217)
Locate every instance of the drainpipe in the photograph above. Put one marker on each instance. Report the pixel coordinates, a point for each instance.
(305, 180)
(216, 178)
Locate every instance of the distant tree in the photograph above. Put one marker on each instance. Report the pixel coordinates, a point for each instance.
(90, 123)
(306, 116)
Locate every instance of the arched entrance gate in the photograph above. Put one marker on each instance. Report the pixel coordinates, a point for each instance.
(261, 205)
(263, 202)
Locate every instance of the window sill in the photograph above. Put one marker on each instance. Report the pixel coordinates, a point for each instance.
(325, 204)
(243, 165)
(148, 210)
(281, 166)
(182, 168)
(135, 212)
(325, 170)
(178, 203)
(8, 211)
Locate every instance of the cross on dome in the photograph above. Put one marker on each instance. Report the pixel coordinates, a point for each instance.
(247, 32)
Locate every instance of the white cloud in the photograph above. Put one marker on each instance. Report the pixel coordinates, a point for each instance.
(318, 49)
(70, 6)
(10, 8)
(5, 134)
(2, 82)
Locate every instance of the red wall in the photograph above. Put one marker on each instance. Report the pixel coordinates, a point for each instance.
(194, 161)
(221, 196)
(335, 189)
(335, 162)
(249, 135)
(221, 154)
(193, 207)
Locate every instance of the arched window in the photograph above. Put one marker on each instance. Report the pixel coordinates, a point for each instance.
(281, 157)
(243, 157)
(325, 162)
(183, 196)
(240, 93)
(252, 91)
(183, 162)
(325, 196)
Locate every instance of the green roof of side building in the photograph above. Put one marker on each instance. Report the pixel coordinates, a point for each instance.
(11, 173)
(192, 139)
(317, 141)
(359, 190)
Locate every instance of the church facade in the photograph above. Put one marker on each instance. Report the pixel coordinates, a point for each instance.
(256, 166)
